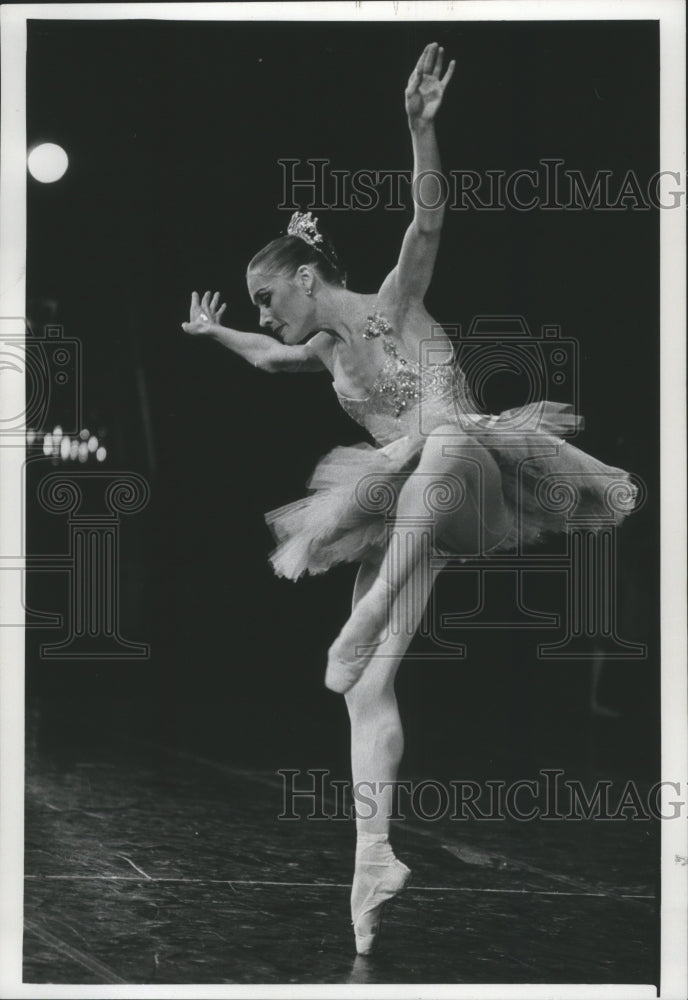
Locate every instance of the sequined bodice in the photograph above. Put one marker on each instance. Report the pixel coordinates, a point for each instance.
(407, 397)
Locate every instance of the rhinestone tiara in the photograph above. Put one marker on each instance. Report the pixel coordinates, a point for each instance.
(303, 225)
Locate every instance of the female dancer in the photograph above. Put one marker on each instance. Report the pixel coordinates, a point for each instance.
(432, 441)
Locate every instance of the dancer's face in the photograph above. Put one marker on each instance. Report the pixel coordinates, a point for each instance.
(284, 306)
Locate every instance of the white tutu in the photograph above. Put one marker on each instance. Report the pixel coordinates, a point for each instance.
(543, 478)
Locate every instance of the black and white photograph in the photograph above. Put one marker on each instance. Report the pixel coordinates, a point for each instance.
(343, 591)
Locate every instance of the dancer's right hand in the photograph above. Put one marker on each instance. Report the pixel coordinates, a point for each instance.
(204, 314)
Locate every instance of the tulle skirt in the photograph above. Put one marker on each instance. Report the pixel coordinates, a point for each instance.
(547, 483)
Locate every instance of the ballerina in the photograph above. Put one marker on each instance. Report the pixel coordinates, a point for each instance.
(371, 344)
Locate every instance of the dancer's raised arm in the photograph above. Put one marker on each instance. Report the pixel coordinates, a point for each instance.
(257, 348)
(424, 94)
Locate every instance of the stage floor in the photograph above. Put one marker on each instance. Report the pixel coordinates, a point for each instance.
(148, 864)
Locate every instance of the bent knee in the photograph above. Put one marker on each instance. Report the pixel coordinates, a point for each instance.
(447, 445)
(448, 434)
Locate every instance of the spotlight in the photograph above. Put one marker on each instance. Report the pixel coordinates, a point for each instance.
(47, 162)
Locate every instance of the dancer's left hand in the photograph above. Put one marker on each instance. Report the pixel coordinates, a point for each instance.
(425, 89)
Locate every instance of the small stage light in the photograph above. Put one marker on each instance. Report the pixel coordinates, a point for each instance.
(47, 162)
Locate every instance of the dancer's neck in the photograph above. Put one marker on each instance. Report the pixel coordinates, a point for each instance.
(342, 313)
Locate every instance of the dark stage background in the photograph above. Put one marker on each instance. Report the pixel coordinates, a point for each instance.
(174, 132)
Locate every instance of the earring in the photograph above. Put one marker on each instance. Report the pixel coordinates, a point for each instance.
(309, 291)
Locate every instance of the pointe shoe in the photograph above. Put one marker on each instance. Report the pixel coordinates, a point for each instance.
(342, 672)
(378, 884)
(341, 675)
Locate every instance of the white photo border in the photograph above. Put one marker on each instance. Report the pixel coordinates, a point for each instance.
(674, 692)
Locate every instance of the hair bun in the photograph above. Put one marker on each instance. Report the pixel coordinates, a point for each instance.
(305, 227)
(302, 243)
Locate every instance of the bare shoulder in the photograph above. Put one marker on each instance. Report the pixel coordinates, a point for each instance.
(313, 356)
(396, 299)
(390, 288)
(408, 315)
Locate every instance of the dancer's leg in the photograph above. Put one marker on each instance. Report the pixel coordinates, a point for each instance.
(452, 463)
(377, 740)
(377, 744)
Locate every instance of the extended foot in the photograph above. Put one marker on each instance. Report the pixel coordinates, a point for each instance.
(353, 649)
(342, 674)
